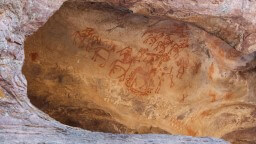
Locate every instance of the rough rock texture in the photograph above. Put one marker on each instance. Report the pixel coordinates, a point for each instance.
(21, 122)
(104, 68)
(232, 21)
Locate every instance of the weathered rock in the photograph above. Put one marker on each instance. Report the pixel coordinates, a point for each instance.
(156, 75)
(21, 122)
(104, 68)
(233, 21)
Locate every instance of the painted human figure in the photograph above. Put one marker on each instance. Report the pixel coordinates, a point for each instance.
(120, 67)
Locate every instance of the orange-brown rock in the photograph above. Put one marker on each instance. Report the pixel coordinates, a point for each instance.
(104, 68)
(182, 67)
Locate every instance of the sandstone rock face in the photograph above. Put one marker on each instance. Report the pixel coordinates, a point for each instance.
(232, 21)
(20, 121)
(104, 68)
(127, 67)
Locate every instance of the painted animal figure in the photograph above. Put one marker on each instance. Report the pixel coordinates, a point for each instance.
(86, 38)
(103, 53)
(152, 38)
(163, 44)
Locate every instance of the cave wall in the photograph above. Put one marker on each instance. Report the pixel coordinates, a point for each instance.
(104, 68)
(233, 22)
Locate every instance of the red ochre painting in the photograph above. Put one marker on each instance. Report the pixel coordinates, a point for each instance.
(164, 58)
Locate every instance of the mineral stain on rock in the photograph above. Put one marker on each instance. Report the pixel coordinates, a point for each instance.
(33, 56)
(1, 94)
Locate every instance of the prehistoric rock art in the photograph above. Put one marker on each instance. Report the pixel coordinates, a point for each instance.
(104, 68)
(149, 65)
(138, 66)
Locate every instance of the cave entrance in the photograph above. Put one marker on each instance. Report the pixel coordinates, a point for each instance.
(65, 79)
